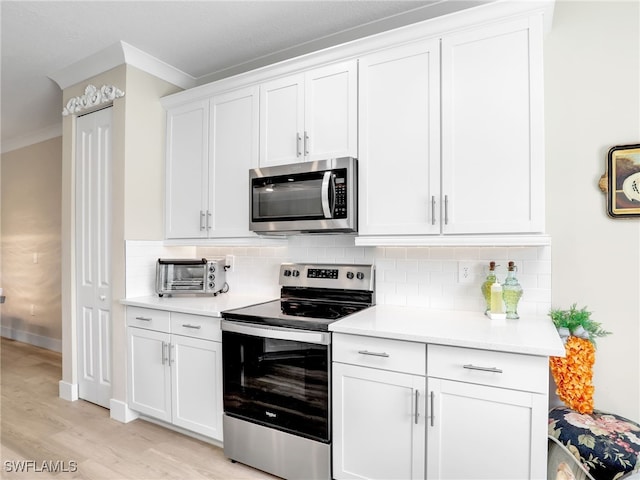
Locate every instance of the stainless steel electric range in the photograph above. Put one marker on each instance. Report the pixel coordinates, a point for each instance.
(277, 369)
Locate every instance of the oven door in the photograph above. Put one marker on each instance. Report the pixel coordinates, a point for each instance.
(278, 377)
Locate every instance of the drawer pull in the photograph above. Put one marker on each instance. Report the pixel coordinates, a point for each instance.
(188, 325)
(417, 398)
(484, 369)
(144, 319)
(373, 354)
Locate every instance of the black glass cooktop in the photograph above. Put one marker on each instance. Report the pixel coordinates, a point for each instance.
(299, 313)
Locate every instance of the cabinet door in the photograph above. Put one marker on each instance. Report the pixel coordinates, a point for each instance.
(196, 370)
(186, 170)
(492, 129)
(476, 431)
(282, 121)
(331, 109)
(378, 423)
(149, 379)
(399, 145)
(234, 150)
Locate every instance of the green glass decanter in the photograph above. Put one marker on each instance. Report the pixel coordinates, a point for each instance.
(511, 292)
(486, 286)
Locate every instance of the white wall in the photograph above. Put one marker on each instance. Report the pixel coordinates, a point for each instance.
(30, 244)
(592, 82)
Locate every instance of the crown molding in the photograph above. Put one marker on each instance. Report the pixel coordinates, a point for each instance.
(115, 55)
(32, 138)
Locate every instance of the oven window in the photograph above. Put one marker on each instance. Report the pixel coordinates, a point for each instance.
(182, 277)
(278, 383)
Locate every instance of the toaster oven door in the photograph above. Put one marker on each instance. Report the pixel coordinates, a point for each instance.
(181, 276)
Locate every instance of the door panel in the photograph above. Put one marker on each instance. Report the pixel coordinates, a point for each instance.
(93, 255)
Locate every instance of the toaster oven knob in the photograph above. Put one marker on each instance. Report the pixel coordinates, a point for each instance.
(211, 285)
(287, 273)
(212, 268)
(360, 275)
(212, 276)
(295, 273)
(350, 275)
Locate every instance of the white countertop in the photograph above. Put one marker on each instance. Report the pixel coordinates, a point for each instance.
(527, 335)
(198, 305)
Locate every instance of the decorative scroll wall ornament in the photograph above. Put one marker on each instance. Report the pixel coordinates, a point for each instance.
(92, 97)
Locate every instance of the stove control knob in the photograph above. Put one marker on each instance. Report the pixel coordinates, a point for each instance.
(287, 273)
(350, 275)
(295, 273)
(360, 275)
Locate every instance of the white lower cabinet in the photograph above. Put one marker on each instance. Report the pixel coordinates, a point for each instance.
(477, 414)
(175, 373)
(378, 413)
(487, 414)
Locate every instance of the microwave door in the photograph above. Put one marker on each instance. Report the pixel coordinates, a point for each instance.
(294, 199)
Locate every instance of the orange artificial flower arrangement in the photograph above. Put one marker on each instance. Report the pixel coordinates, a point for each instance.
(573, 373)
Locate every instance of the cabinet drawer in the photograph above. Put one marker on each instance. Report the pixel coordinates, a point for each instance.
(198, 326)
(486, 367)
(383, 353)
(149, 318)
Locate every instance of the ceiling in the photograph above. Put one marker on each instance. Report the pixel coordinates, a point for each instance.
(204, 39)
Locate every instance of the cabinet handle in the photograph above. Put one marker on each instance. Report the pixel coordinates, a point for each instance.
(298, 141)
(432, 402)
(144, 319)
(417, 398)
(209, 222)
(202, 226)
(373, 354)
(306, 143)
(484, 369)
(446, 209)
(433, 210)
(164, 352)
(188, 325)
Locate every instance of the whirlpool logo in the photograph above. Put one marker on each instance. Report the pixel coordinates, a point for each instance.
(270, 414)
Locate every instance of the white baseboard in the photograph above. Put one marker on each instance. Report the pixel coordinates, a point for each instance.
(68, 391)
(31, 338)
(121, 412)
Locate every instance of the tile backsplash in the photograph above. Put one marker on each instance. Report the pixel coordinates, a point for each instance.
(413, 276)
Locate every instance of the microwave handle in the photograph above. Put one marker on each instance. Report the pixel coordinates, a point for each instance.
(328, 186)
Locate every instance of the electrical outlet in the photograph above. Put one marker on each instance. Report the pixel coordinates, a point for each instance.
(228, 260)
(466, 272)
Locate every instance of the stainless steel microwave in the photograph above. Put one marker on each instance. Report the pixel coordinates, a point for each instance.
(190, 275)
(308, 197)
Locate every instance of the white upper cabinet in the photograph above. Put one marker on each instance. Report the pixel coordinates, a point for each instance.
(451, 134)
(187, 166)
(234, 150)
(309, 116)
(211, 146)
(492, 129)
(399, 147)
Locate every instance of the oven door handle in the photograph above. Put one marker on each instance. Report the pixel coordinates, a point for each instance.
(306, 336)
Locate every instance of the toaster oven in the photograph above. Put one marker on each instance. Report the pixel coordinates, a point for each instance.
(192, 276)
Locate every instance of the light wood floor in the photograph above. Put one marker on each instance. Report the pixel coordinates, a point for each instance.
(36, 425)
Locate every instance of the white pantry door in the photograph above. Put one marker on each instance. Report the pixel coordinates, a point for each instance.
(93, 252)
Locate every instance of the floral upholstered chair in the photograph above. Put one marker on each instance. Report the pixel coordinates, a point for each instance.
(596, 446)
